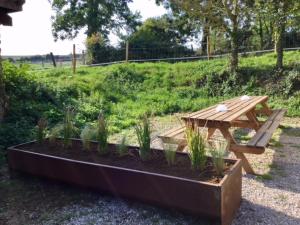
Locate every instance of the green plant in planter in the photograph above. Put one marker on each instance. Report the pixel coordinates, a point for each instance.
(55, 133)
(143, 132)
(218, 152)
(86, 136)
(122, 148)
(102, 135)
(69, 128)
(197, 148)
(41, 130)
(170, 154)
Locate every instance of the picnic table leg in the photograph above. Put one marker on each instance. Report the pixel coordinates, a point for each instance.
(246, 165)
(266, 109)
(210, 133)
(181, 146)
(252, 117)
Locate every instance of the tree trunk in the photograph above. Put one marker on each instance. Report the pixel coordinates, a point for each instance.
(234, 47)
(204, 39)
(261, 33)
(279, 45)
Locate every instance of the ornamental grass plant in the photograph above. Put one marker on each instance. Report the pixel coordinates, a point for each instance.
(197, 149)
(143, 132)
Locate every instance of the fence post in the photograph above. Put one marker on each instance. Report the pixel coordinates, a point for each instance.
(74, 59)
(127, 51)
(83, 57)
(53, 59)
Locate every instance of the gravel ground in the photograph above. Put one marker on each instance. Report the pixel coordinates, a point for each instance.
(272, 198)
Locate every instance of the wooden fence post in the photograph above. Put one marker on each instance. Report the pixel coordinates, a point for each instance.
(53, 59)
(74, 59)
(83, 57)
(127, 51)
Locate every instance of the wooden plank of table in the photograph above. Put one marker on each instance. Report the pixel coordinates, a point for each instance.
(213, 113)
(197, 113)
(232, 109)
(204, 114)
(246, 109)
(173, 131)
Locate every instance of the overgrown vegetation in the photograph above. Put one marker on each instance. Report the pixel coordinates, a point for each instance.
(126, 92)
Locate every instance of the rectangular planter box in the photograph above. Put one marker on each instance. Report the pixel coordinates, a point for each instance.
(218, 202)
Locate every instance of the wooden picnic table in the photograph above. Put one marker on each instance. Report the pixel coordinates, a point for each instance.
(240, 113)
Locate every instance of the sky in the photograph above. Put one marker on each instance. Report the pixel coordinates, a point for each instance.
(31, 31)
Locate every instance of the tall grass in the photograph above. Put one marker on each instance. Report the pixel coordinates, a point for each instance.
(102, 134)
(170, 154)
(69, 128)
(218, 152)
(86, 136)
(197, 148)
(143, 132)
(122, 148)
(41, 130)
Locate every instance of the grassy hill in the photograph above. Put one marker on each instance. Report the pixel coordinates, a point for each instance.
(125, 92)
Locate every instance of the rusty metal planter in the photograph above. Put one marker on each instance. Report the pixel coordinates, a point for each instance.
(218, 202)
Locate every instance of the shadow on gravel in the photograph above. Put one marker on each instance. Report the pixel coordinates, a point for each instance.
(29, 200)
(284, 170)
(250, 213)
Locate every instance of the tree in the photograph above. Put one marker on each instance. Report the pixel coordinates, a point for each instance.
(226, 14)
(282, 12)
(101, 16)
(159, 38)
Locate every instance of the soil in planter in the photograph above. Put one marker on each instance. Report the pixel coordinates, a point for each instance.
(157, 163)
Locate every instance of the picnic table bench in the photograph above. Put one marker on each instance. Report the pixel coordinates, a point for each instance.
(240, 113)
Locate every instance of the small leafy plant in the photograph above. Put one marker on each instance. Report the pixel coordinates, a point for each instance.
(86, 136)
(102, 135)
(197, 148)
(143, 132)
(170, 154)
(122, 148)
(218, 152)
(41, 130)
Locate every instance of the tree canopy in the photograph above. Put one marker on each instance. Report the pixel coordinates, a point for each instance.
(95, 16)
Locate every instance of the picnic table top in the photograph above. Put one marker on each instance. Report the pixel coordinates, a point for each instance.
(236, 108)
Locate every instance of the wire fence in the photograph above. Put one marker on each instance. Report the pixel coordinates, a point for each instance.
(145, 54)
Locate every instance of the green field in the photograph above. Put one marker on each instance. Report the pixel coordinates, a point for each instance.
(125, 92)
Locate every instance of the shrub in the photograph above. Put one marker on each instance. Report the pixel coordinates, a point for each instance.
(122, 147)
(102, 135)
(218, 152)
(170, 154)
(143, 134)
(41, 130)
(197, 148)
